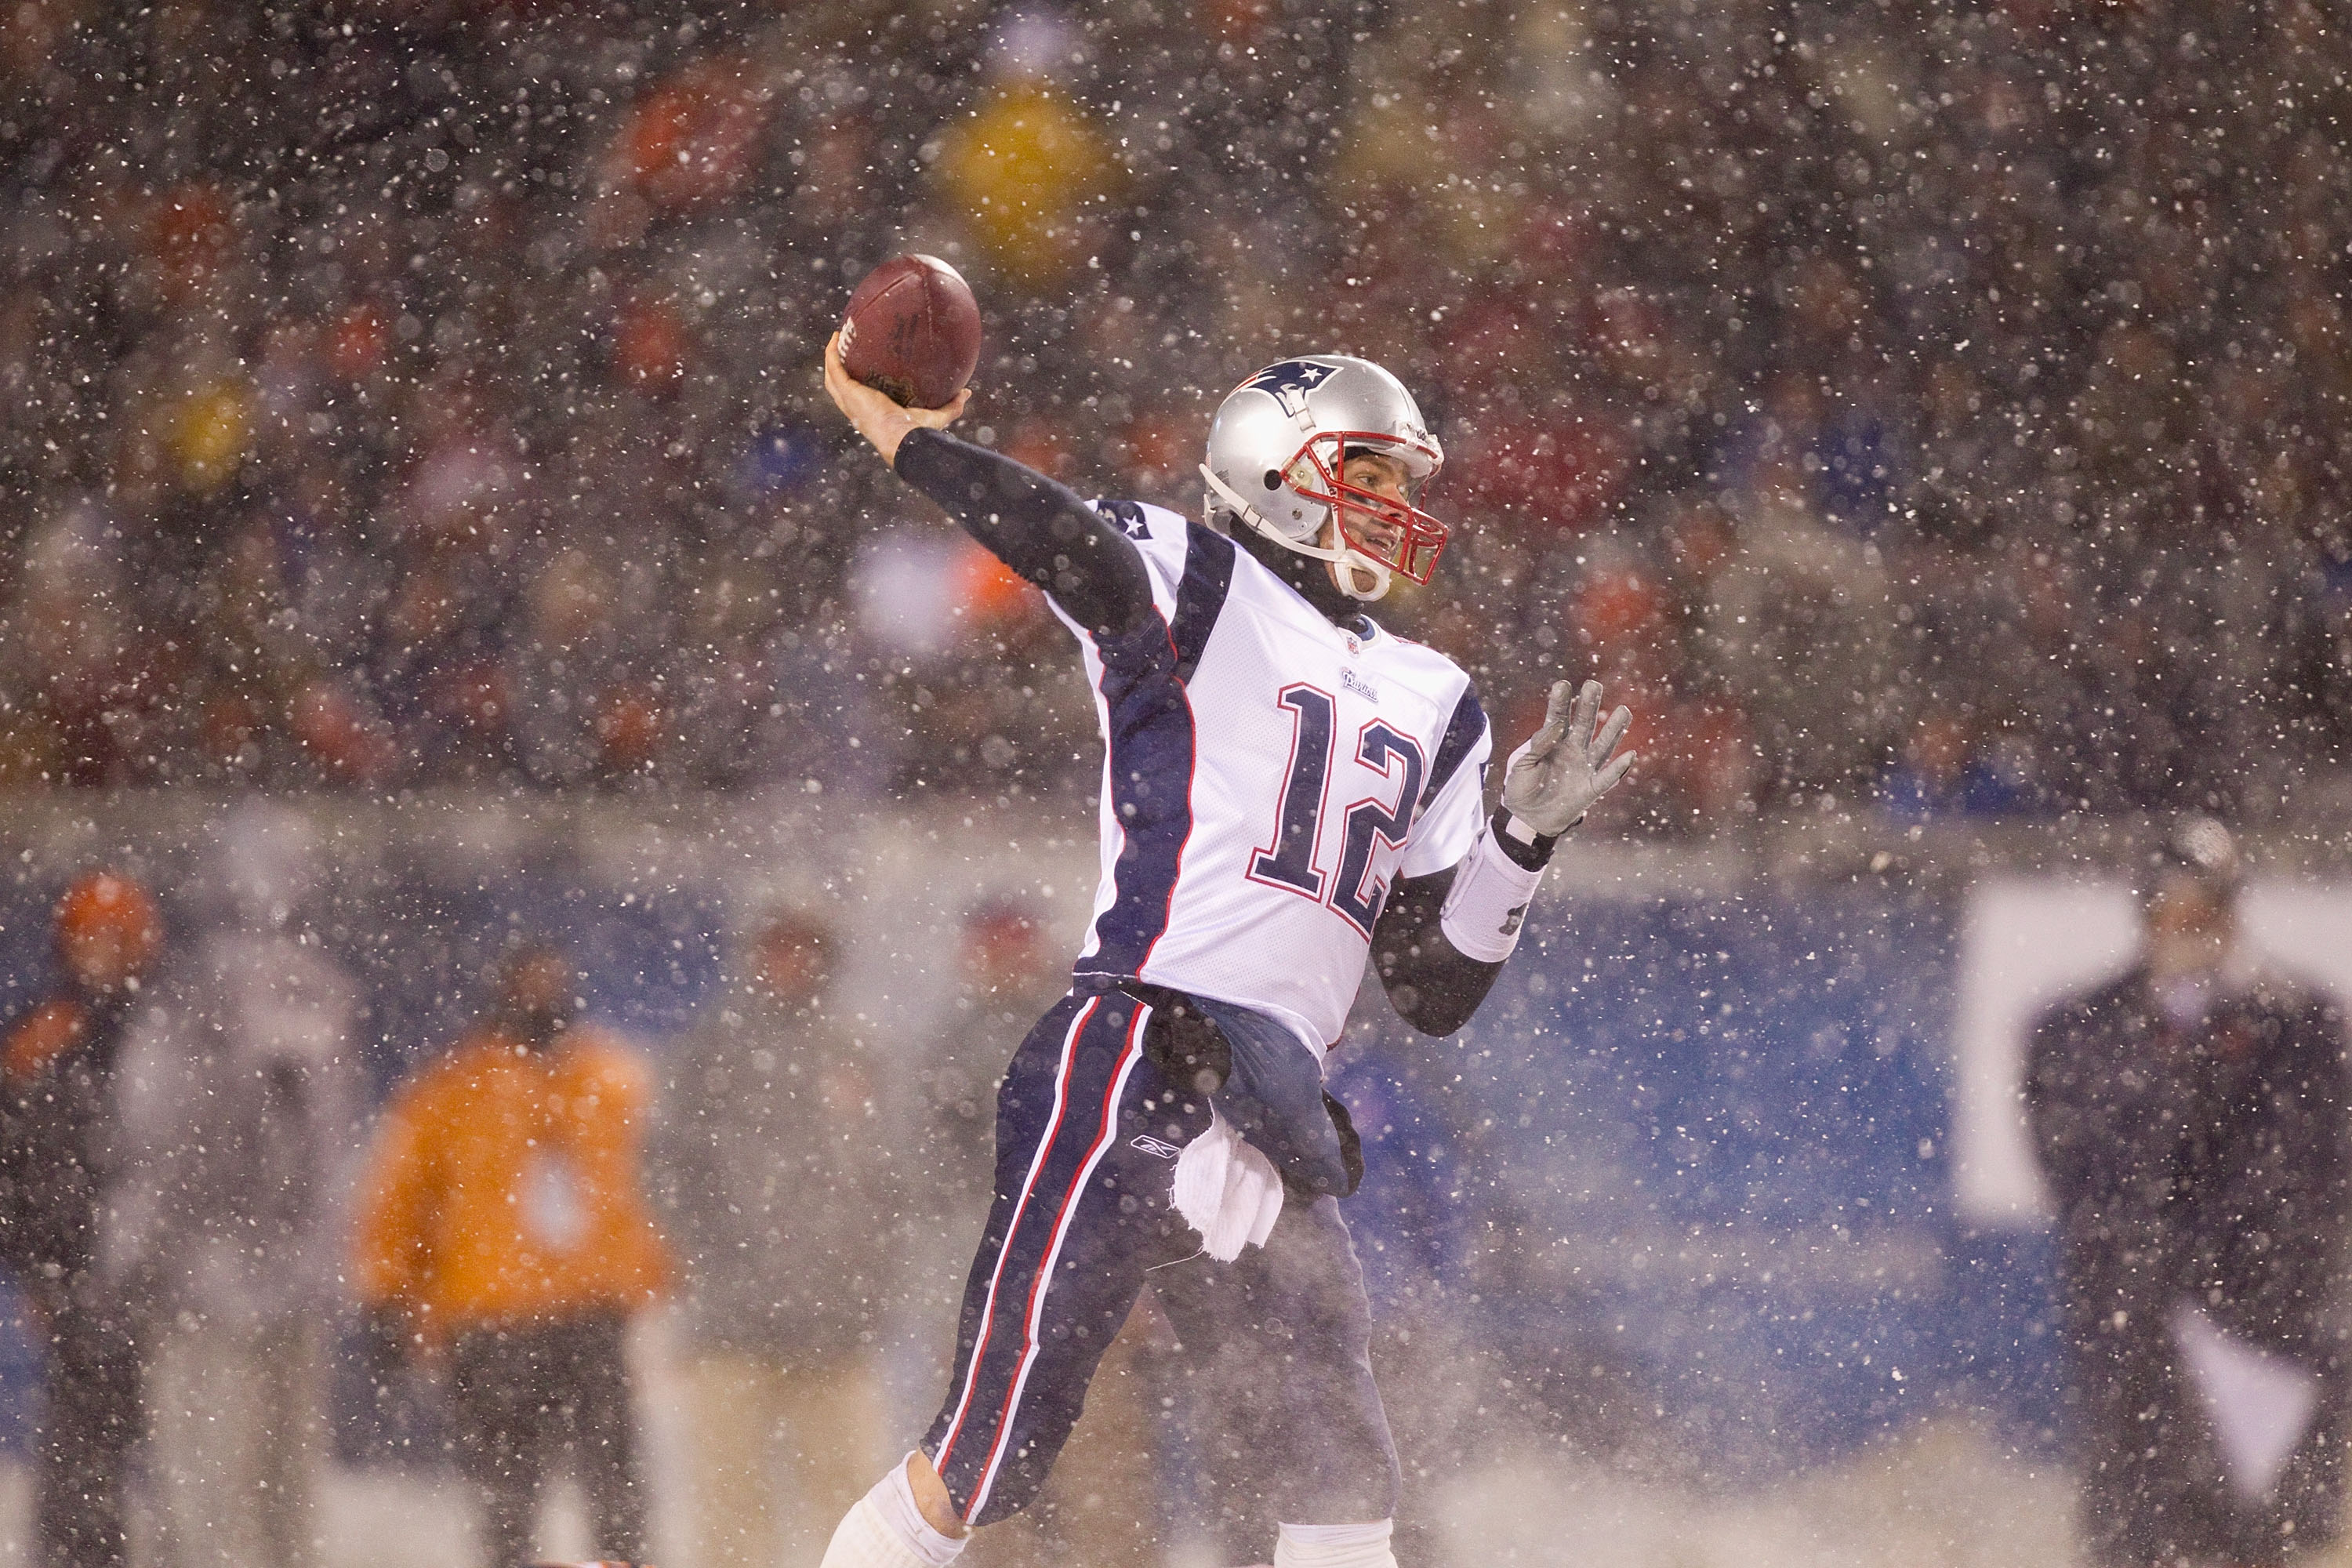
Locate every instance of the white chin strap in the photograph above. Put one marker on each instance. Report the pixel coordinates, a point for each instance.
(1346, 557)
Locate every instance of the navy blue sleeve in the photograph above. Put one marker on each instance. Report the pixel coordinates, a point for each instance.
(1433, 984)
(1039, 528)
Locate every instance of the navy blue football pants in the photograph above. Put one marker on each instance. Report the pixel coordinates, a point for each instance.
(1087, 1135)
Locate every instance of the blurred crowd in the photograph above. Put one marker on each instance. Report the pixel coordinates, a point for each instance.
(1933, 406)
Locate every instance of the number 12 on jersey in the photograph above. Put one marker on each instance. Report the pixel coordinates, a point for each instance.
(1353, 893)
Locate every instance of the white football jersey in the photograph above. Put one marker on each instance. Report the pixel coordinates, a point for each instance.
(1267, 778)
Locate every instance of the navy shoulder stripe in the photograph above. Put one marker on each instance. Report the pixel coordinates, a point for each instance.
(1208, 577)
(1153, 747)
(1462, 733)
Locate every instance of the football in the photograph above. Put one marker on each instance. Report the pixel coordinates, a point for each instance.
(912, 331)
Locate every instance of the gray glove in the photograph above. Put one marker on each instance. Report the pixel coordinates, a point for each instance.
(1554, 778)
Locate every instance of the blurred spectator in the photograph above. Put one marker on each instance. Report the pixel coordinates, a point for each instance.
(82, 681)
(1007, 975)
(777, 1188)
(1798, 622)
(240, 1095)
(2191, 1118)
(503, 1224)
(57, 1137)
(1944, 771)
(950, 622)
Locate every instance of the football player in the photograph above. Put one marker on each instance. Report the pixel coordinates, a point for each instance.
(1288, 788)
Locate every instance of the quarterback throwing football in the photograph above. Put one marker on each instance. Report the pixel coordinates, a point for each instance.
(1288, 788)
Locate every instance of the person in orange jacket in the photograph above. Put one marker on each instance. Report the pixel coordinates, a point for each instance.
(503, 1222)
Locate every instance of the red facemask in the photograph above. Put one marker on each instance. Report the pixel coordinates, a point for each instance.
(1396, 533)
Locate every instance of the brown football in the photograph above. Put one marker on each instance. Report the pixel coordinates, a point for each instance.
(912, 331)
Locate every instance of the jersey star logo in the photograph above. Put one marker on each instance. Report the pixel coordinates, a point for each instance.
(1128, 515)
(1289, 382)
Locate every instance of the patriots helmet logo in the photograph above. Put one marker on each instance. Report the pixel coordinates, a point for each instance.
(1289, 381)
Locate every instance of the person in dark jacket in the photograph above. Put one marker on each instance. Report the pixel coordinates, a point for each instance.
(770, 1170)
(2190, 1118)
(57, 1109)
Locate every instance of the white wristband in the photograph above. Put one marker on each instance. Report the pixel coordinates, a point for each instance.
(1488, 902)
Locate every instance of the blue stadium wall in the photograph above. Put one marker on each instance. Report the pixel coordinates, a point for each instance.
(1692, 1153)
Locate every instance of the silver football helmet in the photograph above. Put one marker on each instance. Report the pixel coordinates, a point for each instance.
(1278, 455)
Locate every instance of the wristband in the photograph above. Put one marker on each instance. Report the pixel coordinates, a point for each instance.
(1488, 901)
(1517, 838)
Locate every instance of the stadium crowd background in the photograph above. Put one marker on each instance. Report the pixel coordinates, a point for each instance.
(1922, 414)
(1934, 404)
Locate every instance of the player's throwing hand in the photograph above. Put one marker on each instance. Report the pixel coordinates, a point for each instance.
(877, 417)
(1564, 767)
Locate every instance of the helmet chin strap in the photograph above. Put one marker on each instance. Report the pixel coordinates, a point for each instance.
(1347, 558)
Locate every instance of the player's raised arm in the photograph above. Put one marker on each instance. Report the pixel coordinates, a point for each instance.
(1041, 528)
(1443, 938)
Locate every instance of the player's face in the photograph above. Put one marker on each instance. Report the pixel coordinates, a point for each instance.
(1387, 477)
(1383, 476)
(2190, 928)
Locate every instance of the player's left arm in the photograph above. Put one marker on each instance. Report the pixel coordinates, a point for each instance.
(1445, 936)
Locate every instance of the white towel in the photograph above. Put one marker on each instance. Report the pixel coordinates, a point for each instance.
(2262, 1404)
(1227, 1191)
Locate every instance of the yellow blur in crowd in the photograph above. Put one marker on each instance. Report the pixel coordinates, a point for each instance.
(209, 432)
(1024, 170)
